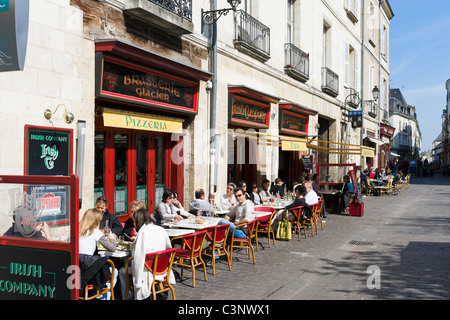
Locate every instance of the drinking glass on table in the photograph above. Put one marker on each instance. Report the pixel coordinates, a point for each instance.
(121, 240)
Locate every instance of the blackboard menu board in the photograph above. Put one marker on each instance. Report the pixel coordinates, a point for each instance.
(308, 163)
(34, 274)
(48, 151)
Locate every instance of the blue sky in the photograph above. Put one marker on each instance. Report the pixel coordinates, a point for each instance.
(420, 59)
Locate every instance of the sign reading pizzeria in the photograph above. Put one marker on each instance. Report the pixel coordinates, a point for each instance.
(247, 112)
(130, 82)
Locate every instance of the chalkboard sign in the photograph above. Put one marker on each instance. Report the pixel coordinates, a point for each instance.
(308, 163)
(48, 151)
(34, 274)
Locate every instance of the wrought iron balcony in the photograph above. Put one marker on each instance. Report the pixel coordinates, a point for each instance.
(182, 8)
(297, 62)
(353, 99)
(371, 108)
(251, 36)
(330, 82)
(173, 16)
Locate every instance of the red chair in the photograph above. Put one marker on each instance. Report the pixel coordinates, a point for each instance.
(245, 243)
(218, 237)
(92, 291)
(296, 224)
(160, 263)
(265, 223)
(192, 246)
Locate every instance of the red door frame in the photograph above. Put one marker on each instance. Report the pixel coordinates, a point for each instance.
(174, 173)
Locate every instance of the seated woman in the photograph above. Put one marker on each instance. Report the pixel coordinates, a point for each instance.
(93, 267)
(254, 196)
(109, 220)
(165, 211)
(228, 200)
(150, 238)
(300, 191)
(347, 192)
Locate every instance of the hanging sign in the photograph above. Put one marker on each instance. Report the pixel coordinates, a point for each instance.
(130, 82)
(14, 16)
(48, 151)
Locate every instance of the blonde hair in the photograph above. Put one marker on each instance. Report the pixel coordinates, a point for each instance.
(90, 221)
(138, 204)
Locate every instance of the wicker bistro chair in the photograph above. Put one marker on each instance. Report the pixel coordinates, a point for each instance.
(265, 224)
(191, 251)
(93, 291)
(316, 214)
(245, 243)
(297, 224)
(218, 237)
(160, 263)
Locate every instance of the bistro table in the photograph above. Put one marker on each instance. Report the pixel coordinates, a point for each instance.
(174, 232)
(221, 212)
(331, 198)
(191, 224)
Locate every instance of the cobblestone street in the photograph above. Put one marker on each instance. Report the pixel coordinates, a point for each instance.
(399, 249)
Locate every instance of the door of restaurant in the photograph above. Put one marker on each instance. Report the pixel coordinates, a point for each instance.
(289, 167)
(242, 159)
(132, 165)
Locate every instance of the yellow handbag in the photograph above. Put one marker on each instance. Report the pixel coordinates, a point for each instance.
(284, 231)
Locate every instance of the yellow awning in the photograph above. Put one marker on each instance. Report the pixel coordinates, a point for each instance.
(141, 121)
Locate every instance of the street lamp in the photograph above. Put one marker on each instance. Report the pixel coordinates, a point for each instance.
(375, 93)
(209, 17)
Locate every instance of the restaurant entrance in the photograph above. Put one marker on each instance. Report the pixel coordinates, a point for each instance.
(133, 165)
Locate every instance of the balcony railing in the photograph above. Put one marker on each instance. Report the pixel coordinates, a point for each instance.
(371, 108)
(251, 36)
(297, 62)
(352, 97)
(330, 82)
(182, 8)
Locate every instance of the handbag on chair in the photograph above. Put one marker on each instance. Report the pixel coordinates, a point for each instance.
(284, 231)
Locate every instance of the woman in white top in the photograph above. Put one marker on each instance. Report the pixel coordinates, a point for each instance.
(165, 211)
(228, 200)
(90, 235)
(150, 238)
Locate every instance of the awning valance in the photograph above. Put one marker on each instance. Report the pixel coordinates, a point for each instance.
(141, 121)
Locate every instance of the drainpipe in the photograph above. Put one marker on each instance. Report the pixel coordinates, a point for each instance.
(213, 104)
(362, 80)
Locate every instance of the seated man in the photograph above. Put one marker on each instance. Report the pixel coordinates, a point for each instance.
(199, 203)
(243, 212)
(278, 187)
(347, 192)
(311, 196)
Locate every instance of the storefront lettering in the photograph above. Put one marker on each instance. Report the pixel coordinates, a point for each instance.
(49, 154)
(33, 271)
(142, 123)
(151, 81)
(249, 113)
